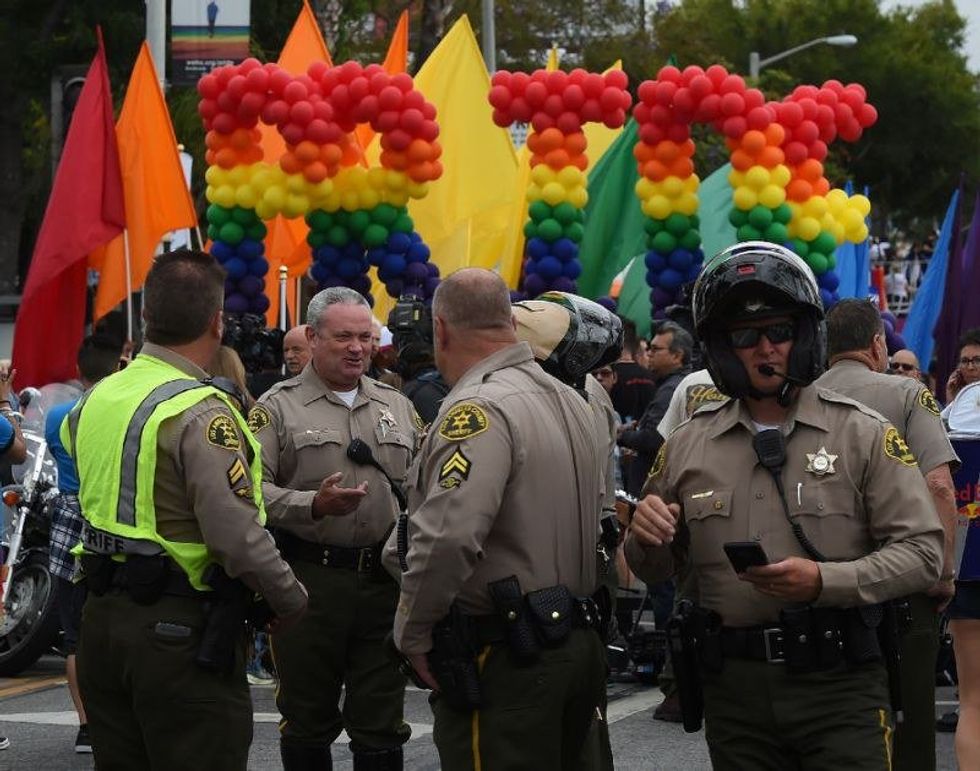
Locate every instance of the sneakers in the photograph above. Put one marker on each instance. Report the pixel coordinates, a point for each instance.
(669, 710)
(83, 743)
(259, 677)
(947, 723)
(4, 742)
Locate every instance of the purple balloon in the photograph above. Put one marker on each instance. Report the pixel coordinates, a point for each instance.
(534, 284)
(608, 303)
(564, 284)
(889, 316)
(395, 287)
(894, 342)
(517, 296)
(416, 273)
(430, 286)
(260, 304)
(432, 268)
(237, 303)
(251, 286)
(660, 297)
(361, 283)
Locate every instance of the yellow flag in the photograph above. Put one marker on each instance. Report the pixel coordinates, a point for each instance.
(154, 188)
(465, 216)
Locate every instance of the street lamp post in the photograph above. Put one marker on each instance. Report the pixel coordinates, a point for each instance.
(756, 64)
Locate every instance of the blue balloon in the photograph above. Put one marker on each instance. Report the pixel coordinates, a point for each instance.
(362, 283)
(352, 250)
(430, 286)
(531, 267)
(572, 269)
(327, 254)
(376, 255)
(653, 278)
(670, 279)
(655, 261)
(565, 249)
(236, 268)
(680, 260)
(259, 266)
(222, 252)
(564, 284)
(418, 252)
(394, 264)
(319, 272)
(827, 298)
(537, 248)
(829, 281)
(692, 272)
(399, 242)
(549, 268)
(249, 249)
(348, 268)
(231, 286)
(395, 287)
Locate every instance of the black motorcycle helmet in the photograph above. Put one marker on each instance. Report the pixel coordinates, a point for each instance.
(570, 336)
(754, 280)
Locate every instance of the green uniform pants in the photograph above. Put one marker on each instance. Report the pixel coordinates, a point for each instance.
(149, 705)
(915, 738)
(337, 644)
(763, 717)
(534, 716)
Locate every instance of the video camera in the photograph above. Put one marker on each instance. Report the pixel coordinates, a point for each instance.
(410, 324)
(259, 348)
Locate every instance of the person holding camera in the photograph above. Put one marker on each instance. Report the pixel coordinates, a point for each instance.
(410, 322)
(331, 517)
(802, 513)
(173, 546)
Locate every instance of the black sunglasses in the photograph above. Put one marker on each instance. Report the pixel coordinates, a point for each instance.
(903, 366)
(748, 337)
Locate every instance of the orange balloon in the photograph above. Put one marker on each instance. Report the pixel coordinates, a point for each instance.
(681, 167)
(642, 152)
(811, 170)
(655, 170)
(821, 186)
(551, 139)
(392, 159)
(770, 157)
(576, 143)
(753, 142)
(436, 170)
(330, 154)
(241, 138)
(557, 159)
(352, 155)
(419, 150)
(289, 163)
(687, 148)
(799, 190)
(226, 158)
(775, 134)
(731, 144)
(580, 161)
(435, 150)
(419, 172)
(253, 154)
(214, 141)
(209, 157)
(315, 172)
(307, 152)
(666, 151)
(741, 160)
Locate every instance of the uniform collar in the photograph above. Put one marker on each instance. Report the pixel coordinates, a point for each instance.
(512, 355)
(313, 388)
(175, 360)
(847, 363)
(807, 409)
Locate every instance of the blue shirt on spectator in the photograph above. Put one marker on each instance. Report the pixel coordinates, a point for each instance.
(67, 473)
(6, 434)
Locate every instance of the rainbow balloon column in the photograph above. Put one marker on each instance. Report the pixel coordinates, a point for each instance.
(776, 149)
(357, 215)
(557, 104)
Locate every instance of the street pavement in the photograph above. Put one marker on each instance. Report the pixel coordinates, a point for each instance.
(36, 714)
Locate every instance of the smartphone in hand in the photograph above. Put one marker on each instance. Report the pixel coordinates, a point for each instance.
(745, 554)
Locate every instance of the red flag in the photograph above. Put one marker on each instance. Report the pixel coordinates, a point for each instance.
(85, 210)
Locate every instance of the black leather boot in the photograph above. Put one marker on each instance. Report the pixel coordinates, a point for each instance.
(379, 760)
(305, 757)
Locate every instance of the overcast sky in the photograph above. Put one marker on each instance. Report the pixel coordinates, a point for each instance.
(967, 8)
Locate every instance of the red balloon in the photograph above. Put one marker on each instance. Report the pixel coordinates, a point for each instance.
(716, 74)
(796, 153)
(542, 121)
(413, 100)
(387, 119)
(609, 100)
(664, 93)
(340, 98)
(573, 97)
(258, 81)
(734, 127)
(616, 118)
(292, 133)
(295, 92)
(671, 74)
(535, 93)
(324, 110)
(732, 104)
(805, 92)
(690, 73)
(678, 132)
(553, 105)
(851, 131)
(278, 81)
(518, 83)
(301, 113)
(500, 97)
(403, 82)
(825, 115)
(224, 123)
(519, 109)
(390, 98)
(732, 84)
(501, 118)
(208, 87)
(806, 132)
(867, 115)
(227, 102)
(224, 74)
(758, 118)
(318, 131)
(207, 108)
(251, 104)
(647, 91)
(617, 79)
(641, 113)
(591, 111)
(852, 98)
(317, 70)
(379, 81)
(501, 78)
(429, 111)
(828, 131)
(593, 85)
(790, 114)
(709, 109)
(275, 112)
(817, 150)
(577, 76)
(859, 88)
(842, 114)
(701, 86)
(349, 70)
(826, 96)
(366, 110)
(809, 107)
(834, 85)
(660, 115)
(411, 121)
(249, 64)
(753, 98)
(651, 133)
(569, 123)
(398, 140)
(359, 88)
(556, 82)
(685, 103)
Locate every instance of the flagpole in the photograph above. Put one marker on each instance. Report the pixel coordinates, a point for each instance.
(129, 287)
(283, 276)
(299, 297)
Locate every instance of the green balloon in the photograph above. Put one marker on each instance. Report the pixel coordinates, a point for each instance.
(316, 238)
(574, 232)
(776, 233)
(375, 235)
(359, 221)
(695, 221)
(677, 224)
(385, 214)
(403, 224)
(231, 233)
(691, 240)
(760, 217)
(213, 231)
(565, 213)
(663, 242)
(244, 217)
(818, 262)
(319, 220)
(831, 261)
(782, 214)
(338, 235)
(218, 215)
(824, 243)
(549, 230)
(539, 210)
(530, 229)
(738, 217)
(800, 247)
(652, 227)
(256, 232)
(748, 233)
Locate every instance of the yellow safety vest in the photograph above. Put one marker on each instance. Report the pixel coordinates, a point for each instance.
(112, 435)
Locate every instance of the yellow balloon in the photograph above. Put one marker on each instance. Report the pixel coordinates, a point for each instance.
(322, 189)
(672, 187)
(657, 206)
(542, 174)
(861, 234)
(264, 211)
(744, 198)
(397, 197)
(395, 180)
(772, 196)
(349, 200)
(377, 177)
(417, 189)
(533, 193)
(836, 199)
(816, 207)
(808, 228)
(571, 176)
(275, 197)
(215, 175)
(224, 196)
(237, 175)
(246, 197)
(578, 197)
(736, 178)
(861, 204)
(296, 183)
(757, 177)
(370, 198)
(851, 219)
(692, 183)
(644, 188)
(687, 203)
(332, 202)
(553, 193)
(296, 205)
(780, 175)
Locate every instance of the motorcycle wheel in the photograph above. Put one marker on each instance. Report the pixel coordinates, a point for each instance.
(31, 624)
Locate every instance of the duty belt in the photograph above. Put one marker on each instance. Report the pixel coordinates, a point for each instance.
(363, 559)
(754, 643)
(492, 629)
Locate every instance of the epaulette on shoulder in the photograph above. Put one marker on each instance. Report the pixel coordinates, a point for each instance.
(832, 396)
(706, 408)
(283, 385)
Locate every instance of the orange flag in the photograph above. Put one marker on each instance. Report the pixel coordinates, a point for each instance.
(395, 61)
(154, 188)
(286, 242)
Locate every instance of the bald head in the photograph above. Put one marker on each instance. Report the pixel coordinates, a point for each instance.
(295, 349)
(473, 299)
(905, 362)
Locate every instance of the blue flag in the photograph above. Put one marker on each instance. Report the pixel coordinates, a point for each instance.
(928, 302)
(853, 268)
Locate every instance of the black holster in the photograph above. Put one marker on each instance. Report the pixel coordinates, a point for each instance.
(98, 570)
(227, 610)
(146, 577)
(897, 617)
(694, 641)
(452, 661)
(508, 600)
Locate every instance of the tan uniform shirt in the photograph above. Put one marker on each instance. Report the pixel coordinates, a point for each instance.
(509, 482)
(305, 429)
(692, 393)
(850, 482)
(905, 403)
(606, 422)
(196, 500)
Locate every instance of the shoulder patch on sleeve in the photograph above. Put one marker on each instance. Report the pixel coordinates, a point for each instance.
(258, 418)
(896, 449)
(699, 395)
(927, 400)
(417, 420)
(222, 432)
(658, 463)
(463, 421)
(454, 471)
(239, 479)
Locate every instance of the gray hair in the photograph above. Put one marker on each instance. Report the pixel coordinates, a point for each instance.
(335, 295)
(680, 340)
(473, 298)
